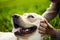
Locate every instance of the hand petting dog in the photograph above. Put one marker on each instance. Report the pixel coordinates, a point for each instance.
(46, 28)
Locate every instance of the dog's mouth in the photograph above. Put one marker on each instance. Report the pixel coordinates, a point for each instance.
(22, 31)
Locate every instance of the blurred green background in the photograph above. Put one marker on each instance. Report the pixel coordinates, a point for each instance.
(10, 7)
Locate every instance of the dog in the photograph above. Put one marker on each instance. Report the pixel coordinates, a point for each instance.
(7, 36)
(25, 27)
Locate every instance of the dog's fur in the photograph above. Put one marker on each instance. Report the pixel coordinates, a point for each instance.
(7, 36)
(27, 21)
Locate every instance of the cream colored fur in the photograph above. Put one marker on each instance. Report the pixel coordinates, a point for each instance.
(25, 22)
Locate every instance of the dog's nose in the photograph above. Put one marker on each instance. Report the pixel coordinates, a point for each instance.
(15, 16)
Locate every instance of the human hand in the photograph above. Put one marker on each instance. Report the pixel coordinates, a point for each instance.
(46, 28)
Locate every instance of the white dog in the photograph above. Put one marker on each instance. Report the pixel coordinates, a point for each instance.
(26, 27)
(7, 36)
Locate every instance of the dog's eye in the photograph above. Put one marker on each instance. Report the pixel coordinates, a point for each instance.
(30, 16)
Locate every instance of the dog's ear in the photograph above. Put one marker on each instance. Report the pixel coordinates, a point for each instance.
(55, 1)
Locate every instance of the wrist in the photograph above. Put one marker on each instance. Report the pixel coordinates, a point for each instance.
(52, 31)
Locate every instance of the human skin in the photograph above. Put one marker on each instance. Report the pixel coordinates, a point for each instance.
(46, 28)
(51, 13)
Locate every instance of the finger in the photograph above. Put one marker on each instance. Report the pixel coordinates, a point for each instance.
(41, 32)
(42, 21)
(44, 25)
(46, 22)
(42, 35)
(42, 29)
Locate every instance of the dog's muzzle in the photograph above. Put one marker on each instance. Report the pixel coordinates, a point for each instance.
(22, 31)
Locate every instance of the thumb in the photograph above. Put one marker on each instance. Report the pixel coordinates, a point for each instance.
(49, 25)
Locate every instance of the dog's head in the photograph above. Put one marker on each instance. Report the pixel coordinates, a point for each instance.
(26, 24)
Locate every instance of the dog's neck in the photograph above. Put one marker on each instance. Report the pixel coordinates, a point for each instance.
(22, 39)
(35, 36)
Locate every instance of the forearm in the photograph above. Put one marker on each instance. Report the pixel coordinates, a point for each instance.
(50, 13)
(56, 36)
(51, 30)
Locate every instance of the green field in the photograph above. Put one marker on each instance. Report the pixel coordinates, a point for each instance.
(10, 7)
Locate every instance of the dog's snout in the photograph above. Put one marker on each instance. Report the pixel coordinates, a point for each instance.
(15, 16)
